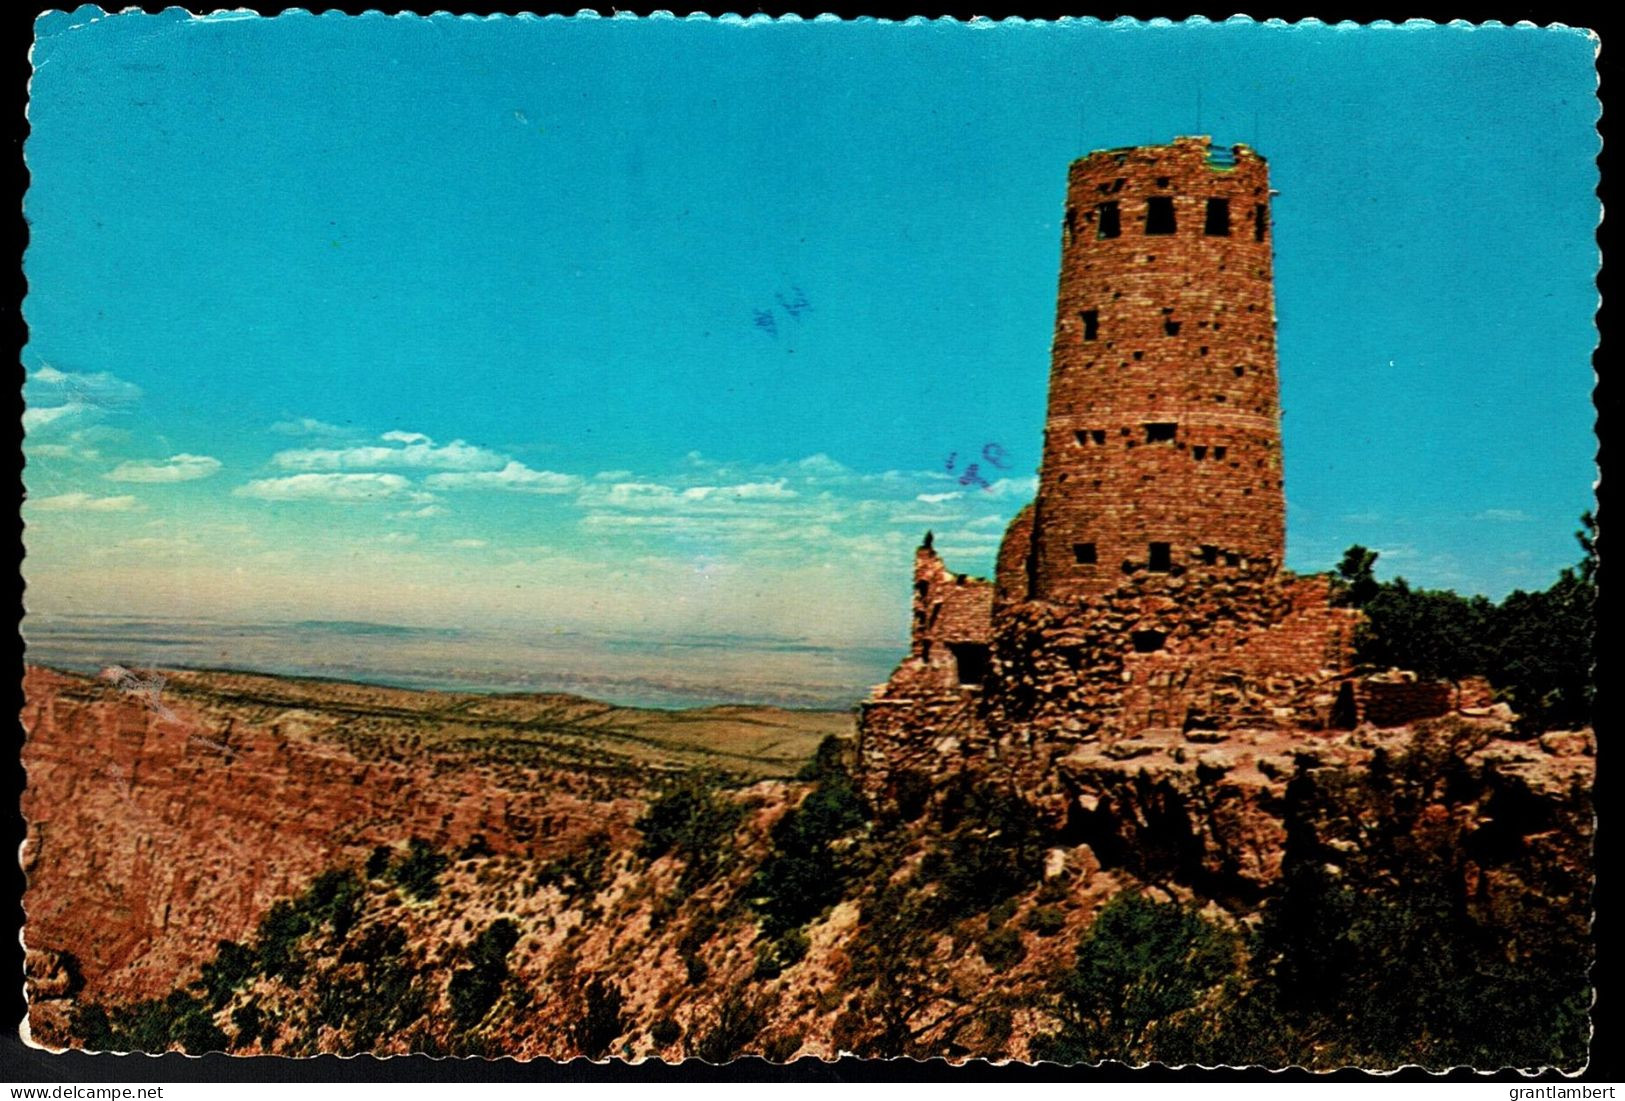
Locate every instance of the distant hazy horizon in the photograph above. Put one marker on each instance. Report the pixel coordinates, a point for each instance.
(625, 670)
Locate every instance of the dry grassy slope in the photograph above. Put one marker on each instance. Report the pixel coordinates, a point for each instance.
(535, 729)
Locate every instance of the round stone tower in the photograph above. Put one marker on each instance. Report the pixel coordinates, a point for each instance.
(1162, 444)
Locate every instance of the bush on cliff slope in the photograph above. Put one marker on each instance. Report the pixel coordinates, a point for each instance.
(1146, 976)
(694, 822)
(803, 874)
(474, 989)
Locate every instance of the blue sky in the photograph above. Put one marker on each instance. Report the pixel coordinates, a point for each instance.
(672, 326)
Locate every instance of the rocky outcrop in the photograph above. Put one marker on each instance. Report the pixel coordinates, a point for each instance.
(1221, 811)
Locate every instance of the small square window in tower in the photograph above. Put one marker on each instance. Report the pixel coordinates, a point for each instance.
(1084, 554)
(1159, 216)
(1261, 220)
(1109, 223)
(1161, 558)
(1160, 432)
(970, 660)
(1091, 323)
(1218, 218)
(1147, 642)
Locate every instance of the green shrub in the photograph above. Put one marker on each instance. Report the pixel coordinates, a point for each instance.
(1003, 949)
(334, 899)
(1000, 914)
(248, 1020)
(601, 1022)
(418, 873)
(475, 989)
(1046, 921)
(1537, 649)
(665, 1032)
(792, 947)
(1143, 968)
(803, 873)
(829, 759)
(996, 850)
(739, 1020)
(781, 1047)
(276, 938)
(232, 966)
(378, 863)
(767, 963)
(177, 1020)
(694, 822)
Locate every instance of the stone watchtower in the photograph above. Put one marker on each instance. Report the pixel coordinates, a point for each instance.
(1162, 443)
(1142, 596)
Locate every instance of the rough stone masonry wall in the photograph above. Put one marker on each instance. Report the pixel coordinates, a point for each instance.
(952, 619)
(1163, 423)
(1245, 648)
(926, 717)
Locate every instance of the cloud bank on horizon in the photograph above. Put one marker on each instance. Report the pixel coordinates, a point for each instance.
(480, 338)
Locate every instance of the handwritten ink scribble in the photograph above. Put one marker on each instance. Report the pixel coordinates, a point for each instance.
(972, 477)
(793, 303)
(992, 453)
(147, 688)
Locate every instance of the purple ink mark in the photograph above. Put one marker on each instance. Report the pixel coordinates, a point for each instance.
(973, 477)
(795, 305)
(953, 457)
(766, 322)
(995, 454)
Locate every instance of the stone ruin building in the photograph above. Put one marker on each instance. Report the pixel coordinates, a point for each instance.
(1143, 590)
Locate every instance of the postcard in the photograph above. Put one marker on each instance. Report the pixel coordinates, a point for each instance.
(693, 538)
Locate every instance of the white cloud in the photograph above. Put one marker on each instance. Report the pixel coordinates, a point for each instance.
(56, 398)
(177, 468)
(329, 487)
(821, 464)
(84, 502)
(1013, 487)
(421, 513)
(515, 476)
(400, 538)
(308, 426)
(1504, 515)
(38, 417)
(938, 498)
(651, 495)
(96, 388)
(468, 543)
(417, 452)
(62, 451)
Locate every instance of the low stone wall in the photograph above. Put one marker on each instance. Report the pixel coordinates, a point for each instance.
(1386, 703)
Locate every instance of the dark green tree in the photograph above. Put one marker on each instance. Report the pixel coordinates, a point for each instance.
(601, 1022)
(694, 821)
(1143, 970)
